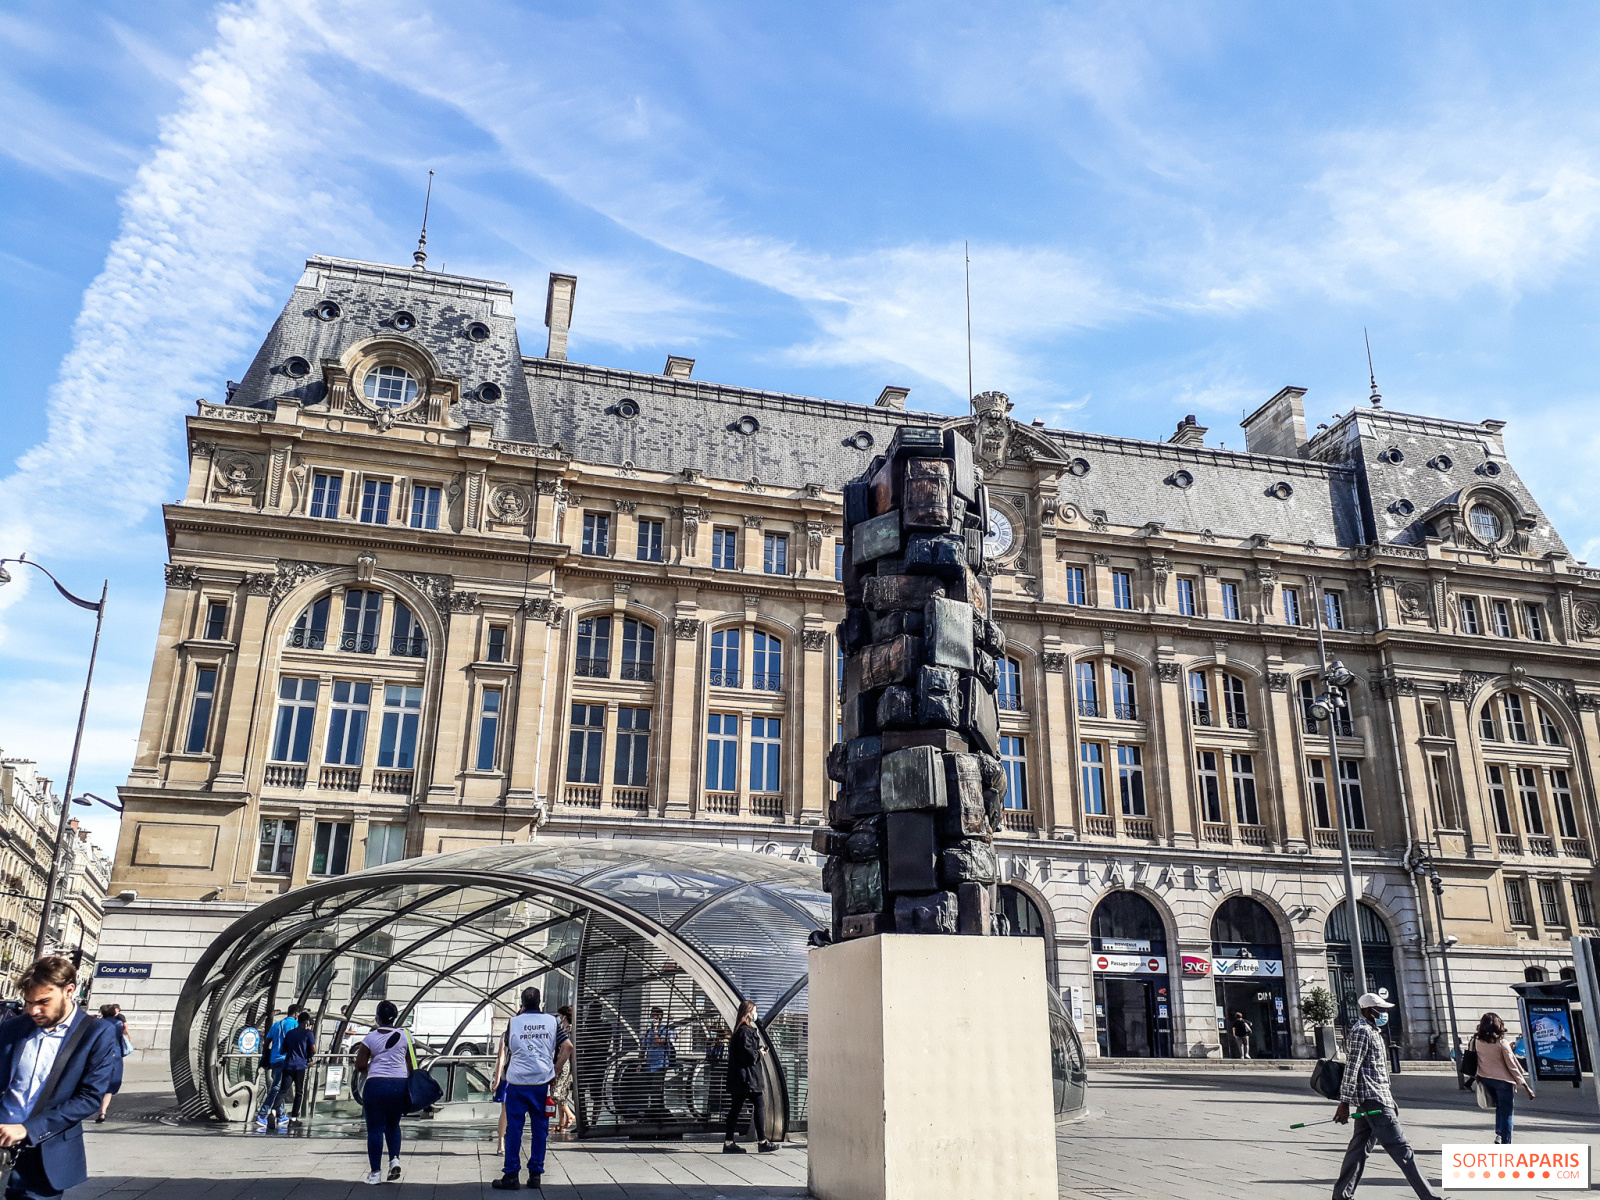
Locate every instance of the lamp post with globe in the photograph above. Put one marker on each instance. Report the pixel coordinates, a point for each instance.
(99, 610)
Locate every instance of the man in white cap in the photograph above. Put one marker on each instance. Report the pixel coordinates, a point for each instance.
(1366, 1092)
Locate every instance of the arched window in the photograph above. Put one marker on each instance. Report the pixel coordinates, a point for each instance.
(1242, 923)
(310, 631)
(725, 658)
(1373, 930)
(408, 640)
(1308, 696)
(1130, 922)
(1378, 953)
(1023, 918)
(1534, 974)
(638, 651)
(1200, 698)
(1009, 690)
(594, 648)
(361, 613)
(1233, 702)
(766, 662)
(1088, 689)
(1124, 702)
(392, 387)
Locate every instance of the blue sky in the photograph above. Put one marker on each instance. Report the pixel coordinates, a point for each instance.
(1172, 209)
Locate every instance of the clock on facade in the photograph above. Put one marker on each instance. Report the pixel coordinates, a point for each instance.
(1000, 536)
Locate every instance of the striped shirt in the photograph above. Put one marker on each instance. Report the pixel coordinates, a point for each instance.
(1366, 1067)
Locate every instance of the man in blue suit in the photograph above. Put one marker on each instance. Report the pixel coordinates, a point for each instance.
(56, 1061)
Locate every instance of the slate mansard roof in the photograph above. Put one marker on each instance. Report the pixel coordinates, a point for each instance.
(1350, 488)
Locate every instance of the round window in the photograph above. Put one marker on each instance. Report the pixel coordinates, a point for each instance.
(1393, 455)
(478, 331)
(628, 409)
(328, 311)
(1403, 507)
(1442, 462)
(297, 367)
(392, 387)
(747, 425)
(861, 440)
(1078, 467)
(1485, 523)
(404, 320)
(1490, 469)
(1180, 479)
(1281, 491)
(489, 393)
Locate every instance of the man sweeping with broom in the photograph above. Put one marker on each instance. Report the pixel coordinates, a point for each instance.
(1366, 1088)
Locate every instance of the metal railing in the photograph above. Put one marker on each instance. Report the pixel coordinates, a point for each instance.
(1127, 711)
(725, 677)
(1238, 720)
(769, 681)
(1009, 702)
(1088, 708)
(308, 639)
(409, 647)
(592, 668)
(638, 672)
(358, 643)
(1200, 714)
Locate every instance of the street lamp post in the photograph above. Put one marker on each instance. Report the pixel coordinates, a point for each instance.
(1437, 887)
(99, 610)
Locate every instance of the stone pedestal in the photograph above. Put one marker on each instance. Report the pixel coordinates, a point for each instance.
(930, 1070)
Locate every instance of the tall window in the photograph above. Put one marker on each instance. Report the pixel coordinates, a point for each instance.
(1533, 614)
(361, 613)
(838, 561)
(1130, 780)
(347, 723)
(725, 658)
(488, 728)
(1308, 697)
(1516, 719)
(775, 554)
(1291, 606)
(766, 751)
(216, 629)
(1433, 718)
(1355, 809)
(325, 489)
(1121, 589)
(1333, 609)
(1242, 769)
(1548, 729)
(1124, 700)
(1199, 698)
(722, 752)
(495, 647)
(375, 501)
(205, 692)
(297, 712)
(633, 748)
(638, 651)
(1502, 619)
(596, 534)
(310, 631)
(725, 548)
(766, 662)
(1550, 903)
(1076, 592)
(1517, 902)
(1498, 802)
(385, 844)
(1088, 689)
(586, 743)
(407, 638)
(1488, 727)
(276, 853)
(1014, 762)
(650, 541)
(330, 852)
(1233, 702)
(1210, 786)
(1186, 604)
(1583, 902)
(1009, 685)
(594, 648)
(1528, 800)
(397, 739)
(1092, 757)
(1561, 801)
(1469, 615)
(1317, 776)
(424, 506)
(1444, 792)
(1230, 601)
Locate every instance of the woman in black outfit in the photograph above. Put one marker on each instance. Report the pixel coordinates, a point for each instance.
(745, 1081)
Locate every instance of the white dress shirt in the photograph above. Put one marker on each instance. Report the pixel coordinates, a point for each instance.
(35, 1058)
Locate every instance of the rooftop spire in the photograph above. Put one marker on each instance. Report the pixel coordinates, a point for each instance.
(419, 256)
(1377, 400)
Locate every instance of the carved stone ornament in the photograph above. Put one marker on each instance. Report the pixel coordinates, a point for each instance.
(366, 564)
(1471, 681)
(1055, 661)
(238, 474)
(1586, 616)
(1207, 536)
(556, 615)
(1100, 560)
(1397, 685)
(753, 484)
(508, 505)
(553, 452)
(547, 487)
(626, 506)
(1169, 672)
(180, 575)
(1277, 681)
(1588, 702)
(435, 587)
(627, 470)
(1413, 601)
(752, 521)
(1209, 570)
(691, 475)
(1454, 690)
(991, 429)
(814, 639)
(536, 608)
(462, 602)
(290, 576)
(813, 491)
(261, 583)
(686, 629)
(1098, 520)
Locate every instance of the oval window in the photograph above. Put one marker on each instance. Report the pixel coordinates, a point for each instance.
(747, 425)
(1281, 491)
(1404, 507)
(861, 440)
(297, 367)
(1490, 469)
(627, 410)
(404, 320)
(328, 311)
(1442, 462)
(489, 393)
(392, 387)
(1180, 479)
(1078, 467)
(478, 331)
(1485, 523)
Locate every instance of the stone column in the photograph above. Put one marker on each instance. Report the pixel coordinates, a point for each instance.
(1283, 760)
(683, 702)
(244, 679)
(1171, 733)
(453, 729)
(813, 712)
(1055, 733)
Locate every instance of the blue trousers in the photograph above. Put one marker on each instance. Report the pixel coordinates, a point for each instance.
(1505, 1099)
(274, 1095)
(526, 1100)
(383, 1103)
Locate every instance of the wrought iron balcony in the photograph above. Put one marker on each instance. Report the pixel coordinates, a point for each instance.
(1126, 712)
(409, 647)
(1009, 702)
(1201, 714)
(307, 639)
(725, 677)
(1238, 720)
(592, 668)
(1088, 708)
(771, 681)
(639, 672)
(358, 643)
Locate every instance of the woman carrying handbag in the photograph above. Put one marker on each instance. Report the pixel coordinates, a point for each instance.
(383, 1060)
(1498, 1074)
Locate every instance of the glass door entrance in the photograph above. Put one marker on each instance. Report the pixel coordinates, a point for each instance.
(1126, 1012)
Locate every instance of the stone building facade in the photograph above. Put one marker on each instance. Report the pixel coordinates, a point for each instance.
(426, 592)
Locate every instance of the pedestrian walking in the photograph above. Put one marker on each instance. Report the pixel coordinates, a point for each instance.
(746, 1081)
(57, 1062)
(537, 1050)
(561, 1089)
(1366, 1088)
(659, 1053)
(1241, 1030)
(272, 1060)
(1499, 1072)
(299, 1048)
(383, 1061)
(599, 1038)
(113, 1013)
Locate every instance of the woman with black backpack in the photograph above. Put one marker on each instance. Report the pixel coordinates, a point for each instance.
(1490, 1060)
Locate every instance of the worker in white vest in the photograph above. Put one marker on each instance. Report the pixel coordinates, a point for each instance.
(533, 1050)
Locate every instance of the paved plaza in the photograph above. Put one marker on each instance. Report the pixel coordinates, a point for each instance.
(1198, 1135)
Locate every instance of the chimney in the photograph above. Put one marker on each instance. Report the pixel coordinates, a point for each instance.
(558, 313)
(1189, 433)
(1279, 426)
(678, 368)
(892, 397)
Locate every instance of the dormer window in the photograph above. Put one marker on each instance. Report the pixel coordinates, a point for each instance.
(392, 387)
(1485, 523)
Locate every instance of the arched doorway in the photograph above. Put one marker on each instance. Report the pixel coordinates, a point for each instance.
(1132, 992)
(1378, 952)
(1247, 966)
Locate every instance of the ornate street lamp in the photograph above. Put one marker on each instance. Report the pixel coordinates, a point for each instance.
(99, 610)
